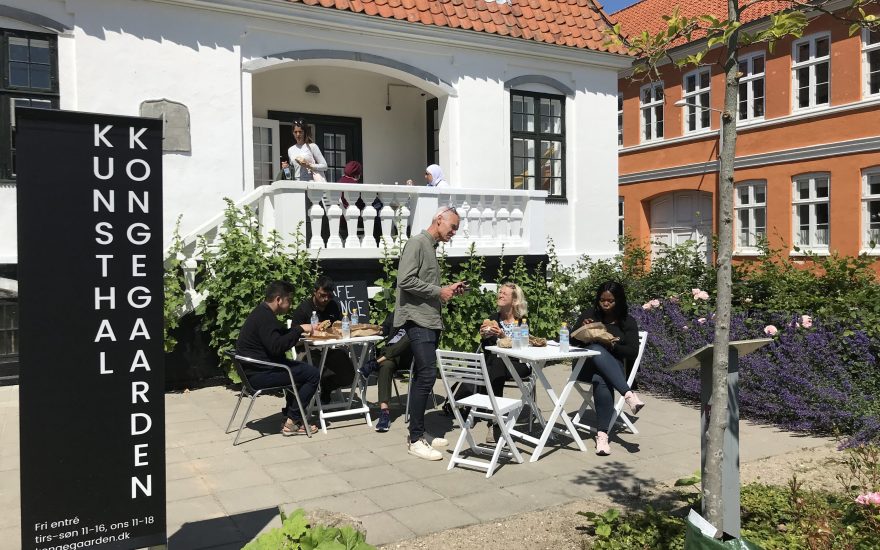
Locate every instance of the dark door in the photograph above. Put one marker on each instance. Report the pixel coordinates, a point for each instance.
(338, 138)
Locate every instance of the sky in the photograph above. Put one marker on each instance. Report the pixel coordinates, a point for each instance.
(612, 6)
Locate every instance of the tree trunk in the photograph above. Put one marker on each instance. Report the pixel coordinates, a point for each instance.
(712, 501)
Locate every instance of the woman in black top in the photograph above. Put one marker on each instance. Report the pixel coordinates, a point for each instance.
(605, 371)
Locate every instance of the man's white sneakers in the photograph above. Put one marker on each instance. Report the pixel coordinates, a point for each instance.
(439, 443)
(421, 449)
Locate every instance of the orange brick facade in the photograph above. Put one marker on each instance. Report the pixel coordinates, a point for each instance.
(839, 141)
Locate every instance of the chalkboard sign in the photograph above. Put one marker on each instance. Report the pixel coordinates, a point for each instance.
(353, 295)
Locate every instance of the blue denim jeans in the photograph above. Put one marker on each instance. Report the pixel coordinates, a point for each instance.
(423, 345)
(606, 374)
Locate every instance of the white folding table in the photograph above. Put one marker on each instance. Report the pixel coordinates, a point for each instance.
(537, 359)
(342, 408)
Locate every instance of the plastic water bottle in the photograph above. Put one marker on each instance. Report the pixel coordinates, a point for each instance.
(355, 319)
(524, 333)
(346, 327)
(314, 321)
(563, 338)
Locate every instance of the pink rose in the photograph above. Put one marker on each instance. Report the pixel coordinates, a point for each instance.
(806, 321)
(703, 295)
(655, 302)
(869, 499)
(770, 330)
(702, 320)
(695, 291)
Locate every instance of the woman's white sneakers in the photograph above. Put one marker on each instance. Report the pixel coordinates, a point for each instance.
(633, 402)
(602, 447)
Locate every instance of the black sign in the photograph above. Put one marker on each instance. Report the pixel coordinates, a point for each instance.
(353, 295)
(91, 312)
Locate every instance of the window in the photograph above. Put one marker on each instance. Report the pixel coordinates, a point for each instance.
(811, 61)
(871, 208)
(751, 87)
(619, 119)
(651, 103)
(696, 96)
(871, 47)
(810, 217)
(620, 228)
(8, 330)
(537, 124)
(266, 154)
(432, 128)
(30, 79)
(750, 205)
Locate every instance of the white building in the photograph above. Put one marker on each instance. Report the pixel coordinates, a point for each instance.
(516, 104)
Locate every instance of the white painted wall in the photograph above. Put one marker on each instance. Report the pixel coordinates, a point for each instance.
(124, 52)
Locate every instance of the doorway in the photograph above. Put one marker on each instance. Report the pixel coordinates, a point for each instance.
(338, 138)
(682, 216)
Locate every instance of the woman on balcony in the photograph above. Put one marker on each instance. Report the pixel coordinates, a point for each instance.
(308, 162)
(605, 371)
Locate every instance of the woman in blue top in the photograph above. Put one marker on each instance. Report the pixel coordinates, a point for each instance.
(605, 371)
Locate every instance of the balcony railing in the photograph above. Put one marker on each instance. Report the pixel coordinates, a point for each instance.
(388, 214)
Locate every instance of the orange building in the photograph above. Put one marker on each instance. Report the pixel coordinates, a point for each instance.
(807, 169)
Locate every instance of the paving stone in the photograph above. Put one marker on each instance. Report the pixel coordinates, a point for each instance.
(454, 483)
(490, 504)
(190, 427)
(297, 469)
(180, 470)
(365, 478)
(185, 488)
(401, 495)
(194, 509)
(383, 528)
(256, 497)
(254, 523)
(230, 461)
(431, 517)
(277, 455)
(207, 533)
(236, 479)
(317, 486)
(352, 461)
(541, 493)
(354, 504)
(10, 538)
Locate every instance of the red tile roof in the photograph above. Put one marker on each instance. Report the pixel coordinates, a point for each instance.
(647, 15)
(573, 23)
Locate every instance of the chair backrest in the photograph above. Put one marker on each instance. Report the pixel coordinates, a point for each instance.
(643, 339)
(239, 369)
(458, 367)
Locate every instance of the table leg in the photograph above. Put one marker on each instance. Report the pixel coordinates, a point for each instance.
(527, 395)
(558, 410)
(358, 361)
(316, 399)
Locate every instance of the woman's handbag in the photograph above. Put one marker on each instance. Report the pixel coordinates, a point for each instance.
(593, 332)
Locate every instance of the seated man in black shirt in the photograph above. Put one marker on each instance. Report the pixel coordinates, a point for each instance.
(263, 337)
(338, 370)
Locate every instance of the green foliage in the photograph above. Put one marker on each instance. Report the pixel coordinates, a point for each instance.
(649, 528)
(175, 287)
(296, 534)
(463, 315)
(383, 302)
(234, 275)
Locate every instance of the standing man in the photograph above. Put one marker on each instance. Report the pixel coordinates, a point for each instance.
(263, 337)
(417, 310)
(338, 370)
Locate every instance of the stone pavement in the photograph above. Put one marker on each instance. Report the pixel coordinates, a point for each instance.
(220, 496)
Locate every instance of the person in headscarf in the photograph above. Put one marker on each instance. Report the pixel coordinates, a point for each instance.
(352, 172)
(434, 176)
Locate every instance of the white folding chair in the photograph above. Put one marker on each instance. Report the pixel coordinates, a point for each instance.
(586, 392)
(470, 368)
(619, 415)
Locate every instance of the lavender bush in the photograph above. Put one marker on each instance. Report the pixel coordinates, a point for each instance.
(816, 375)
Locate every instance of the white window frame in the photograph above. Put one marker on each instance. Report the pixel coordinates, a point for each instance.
(867, 50)
(621, 229)
(749, 80)
(691, 100)
(619, 119)
(867, 199)
(812, 62)
(651, 107)
(274, 154)
(751, 207)
(812, 201)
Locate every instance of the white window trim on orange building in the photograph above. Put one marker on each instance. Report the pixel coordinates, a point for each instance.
(651, 107)
(700, 95)
(869, 198)
(812, 202)
(869, 49)
(810, 63)
(755, 189)
(749, 79)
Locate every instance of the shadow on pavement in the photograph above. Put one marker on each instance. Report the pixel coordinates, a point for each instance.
(232, 531)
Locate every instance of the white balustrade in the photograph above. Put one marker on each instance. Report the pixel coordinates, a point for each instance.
(489, 218)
